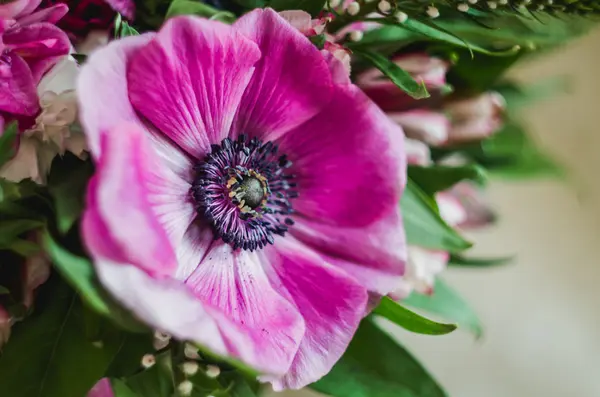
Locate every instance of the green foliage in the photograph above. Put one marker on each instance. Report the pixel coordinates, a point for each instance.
(395, 73)
(8, 142)
(446, 303)
(409, 320)
(67, 183)
(313, 7)
(424, 225)
(461, 261)
(79, 272)
(48, 355)
(438, 178)
(123, 29)
(198, 8)
(377, 366)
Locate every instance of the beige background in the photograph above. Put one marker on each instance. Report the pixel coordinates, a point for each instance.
(542, 313)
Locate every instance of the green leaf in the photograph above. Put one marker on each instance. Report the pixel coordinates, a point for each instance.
(7, 142)
(80, 58)
(157, 381)
(251, 4)
(409, 320)
(440, 34)
(397, 75)
(446, 303)
(120, 389)
(424, 225)
(80, 274)
(128, 358)
(10, 230)
(313, 7)
(438, 178)
(25, 248)
(122, 28)
(192, 7)
(461, 261)
(67, 182)
(374, 365)
(48, 355)
(4, 290)
(520, 97)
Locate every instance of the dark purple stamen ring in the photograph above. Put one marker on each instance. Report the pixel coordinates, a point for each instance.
(243, 190)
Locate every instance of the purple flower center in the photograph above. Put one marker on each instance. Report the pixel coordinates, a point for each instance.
(243, 190)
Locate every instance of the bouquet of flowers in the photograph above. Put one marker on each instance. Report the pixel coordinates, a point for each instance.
(214, 198)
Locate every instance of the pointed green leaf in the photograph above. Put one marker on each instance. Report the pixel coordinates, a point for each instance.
(10, 230)
(438, 178)
(424, 225)
(79, 272)
(446, 303)
(194, 7)
(410, 320)
(461, 261)
(156, 381)
(374, 365)
(395, 73)
(7, 142)
(120, 389)
(48, 355)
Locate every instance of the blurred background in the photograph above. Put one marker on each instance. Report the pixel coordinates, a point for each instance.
(541, 313)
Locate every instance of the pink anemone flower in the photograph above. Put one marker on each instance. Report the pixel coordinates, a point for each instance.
(246, 194)
(30, 45)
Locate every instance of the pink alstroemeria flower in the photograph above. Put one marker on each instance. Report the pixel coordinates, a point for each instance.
(102, 388)
(29, 45)
(246, 194)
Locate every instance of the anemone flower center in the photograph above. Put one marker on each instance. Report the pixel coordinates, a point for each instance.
(243, 189)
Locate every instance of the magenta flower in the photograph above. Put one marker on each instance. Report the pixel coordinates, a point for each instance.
(246, 194)
(29, 45)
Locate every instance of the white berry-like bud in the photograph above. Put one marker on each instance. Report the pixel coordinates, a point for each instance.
(212, 371)
(540, 7)
(505, 2)
(401, 17)
(433, 12)
(353, 8)
(463, 7)
(334, 3)
(185, 388)
(191, 351)
(148, 360)
(356, 35)
(384, 6)
(492, 5)
(98, 344)
(189, 368)
(472, 1)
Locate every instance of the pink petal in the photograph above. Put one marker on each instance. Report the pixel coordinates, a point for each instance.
(425, 125)
(41, 45)
(17, 87)
(236, 284)
(291, 82)
(120, 195)
(417, 152)
(123, 7)
(101, 389)
(331, 303)
(374, 255)
(301, 20)
(16, 8)
(349, 162)
(51, 15)
(102, 88)
(199, 70)
(338, 61)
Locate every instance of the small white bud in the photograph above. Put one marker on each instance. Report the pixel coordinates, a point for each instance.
(334, 3)
(492, 5)
(189, 368)
(505, 2)
(463, 7)
(185, 388)
(98, 344)
(526, 2)
(161, 340)
(212, 371)
(401, 17)
(384, 6)
(540, 7)
(433, 12)
(472, 1)
(148, 360)
(191, 351)
(549, 2)
(356, 35)
(353, 8)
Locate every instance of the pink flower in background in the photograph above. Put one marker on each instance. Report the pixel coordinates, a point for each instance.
(101, 389)
(437, 121)
(248, 201)
(30, 45)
